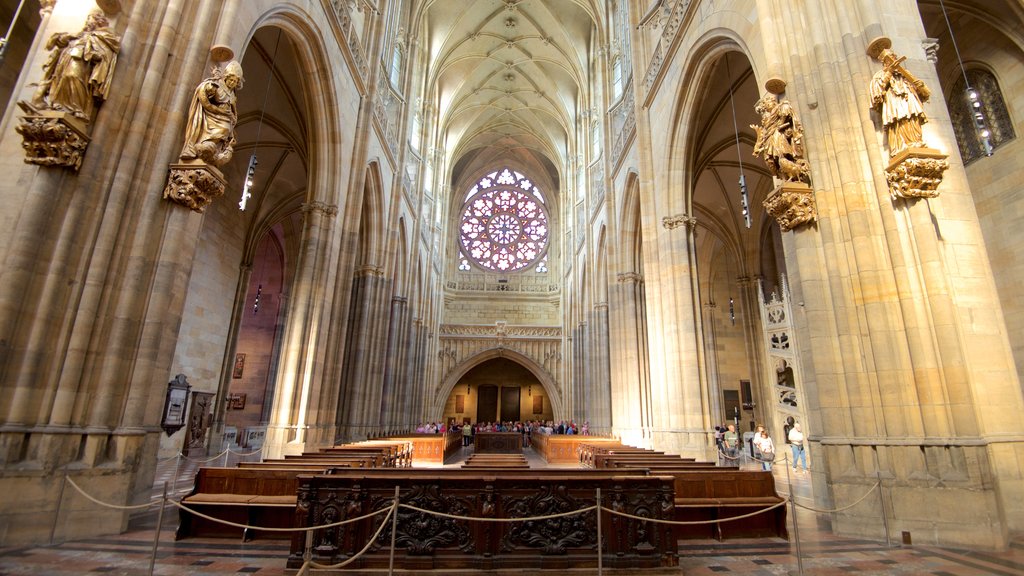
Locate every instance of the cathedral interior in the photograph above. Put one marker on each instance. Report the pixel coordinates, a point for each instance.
(282, 225)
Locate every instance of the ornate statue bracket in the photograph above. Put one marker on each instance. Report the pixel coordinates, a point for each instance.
(194, 185)
(916, 173)
(52, 138)
(792, 205)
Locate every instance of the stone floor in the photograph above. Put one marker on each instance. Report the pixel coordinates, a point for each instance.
(821, 553)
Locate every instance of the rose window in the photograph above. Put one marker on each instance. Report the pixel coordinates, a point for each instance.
(504, 223)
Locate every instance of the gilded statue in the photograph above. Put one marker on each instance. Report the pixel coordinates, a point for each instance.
(80, 69)
(780, 140)
(899, 96)
(210, 133)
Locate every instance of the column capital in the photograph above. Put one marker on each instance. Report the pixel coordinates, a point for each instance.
(369, 270)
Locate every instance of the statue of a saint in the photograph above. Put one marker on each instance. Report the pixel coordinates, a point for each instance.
(780, 140)
(899, 95)
(79, 70)
(210, 133)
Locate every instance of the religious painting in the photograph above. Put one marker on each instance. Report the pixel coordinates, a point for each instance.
(239, 366)
(460, 403)
(538, 404)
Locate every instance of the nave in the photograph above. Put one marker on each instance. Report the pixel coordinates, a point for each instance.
(822, 552)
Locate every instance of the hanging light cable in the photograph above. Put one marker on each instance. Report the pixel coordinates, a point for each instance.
(250, 172)
(744, 200)
(10, 30)
(973, 100)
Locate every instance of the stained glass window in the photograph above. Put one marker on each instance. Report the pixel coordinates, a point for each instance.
(504, 222)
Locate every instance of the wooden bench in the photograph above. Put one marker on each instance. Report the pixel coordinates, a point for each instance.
(250, 496)
(725, 493)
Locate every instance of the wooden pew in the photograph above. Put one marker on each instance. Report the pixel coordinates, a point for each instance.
(255, 497)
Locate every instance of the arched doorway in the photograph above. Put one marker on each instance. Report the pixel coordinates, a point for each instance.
(499, 389)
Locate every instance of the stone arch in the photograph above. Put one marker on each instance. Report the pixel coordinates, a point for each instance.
(436, 409)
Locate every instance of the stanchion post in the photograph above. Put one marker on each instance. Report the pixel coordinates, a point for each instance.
(227, 452)
(600, 555)
(796, 525)
(177, 470)
(60, 500)
(307, 553)
(394, 533)
(156, 532)
(881, 500)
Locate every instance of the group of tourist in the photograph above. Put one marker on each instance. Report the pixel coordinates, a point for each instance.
(762, 446)
(527, 428)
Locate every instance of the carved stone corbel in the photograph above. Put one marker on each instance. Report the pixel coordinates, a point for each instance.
(791, 204)
(52, 138)
(194, 184)
(916, 173)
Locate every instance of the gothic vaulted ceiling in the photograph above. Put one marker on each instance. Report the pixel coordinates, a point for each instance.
(508, 78)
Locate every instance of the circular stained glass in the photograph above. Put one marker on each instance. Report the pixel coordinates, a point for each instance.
(504, 224)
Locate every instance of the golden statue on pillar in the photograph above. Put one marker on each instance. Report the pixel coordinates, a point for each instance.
(780, 143)
(209, 140)
(77, 77)
(915, 170)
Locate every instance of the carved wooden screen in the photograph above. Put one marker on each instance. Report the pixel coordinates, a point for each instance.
(487, 404)
(510, 403)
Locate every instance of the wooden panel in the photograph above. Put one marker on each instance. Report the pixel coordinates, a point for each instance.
(510, 404)
(538, 404)
(460, 403)
(487, 404)
(498, 442)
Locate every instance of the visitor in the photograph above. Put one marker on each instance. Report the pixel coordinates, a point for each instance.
(796, 442)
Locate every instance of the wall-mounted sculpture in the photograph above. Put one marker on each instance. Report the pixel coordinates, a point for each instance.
(195, 180)
(77, 77)
(780, 143)
(914, 170)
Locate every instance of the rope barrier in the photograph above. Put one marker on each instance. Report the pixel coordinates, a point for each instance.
(204, 461)
(107, 504)
(471, 518)
(695, 522)
(268, 529)
(369, 542)
(859, 500)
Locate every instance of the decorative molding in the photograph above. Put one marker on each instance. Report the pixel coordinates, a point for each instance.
(194, 185)
(673, 222)
(369, 270)
(321, 207)
(931, 49)
(53, 139)
(792, 205)
(629, 278)
(916, 173)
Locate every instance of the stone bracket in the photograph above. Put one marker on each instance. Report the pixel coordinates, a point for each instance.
(791, 204)
(916, 173)
(194, 185)
(53, 139)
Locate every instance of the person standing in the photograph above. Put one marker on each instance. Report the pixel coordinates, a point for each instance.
(796, 443)
(765, 448)
(730, 441)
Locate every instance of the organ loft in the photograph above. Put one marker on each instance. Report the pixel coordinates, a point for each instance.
(281, 226)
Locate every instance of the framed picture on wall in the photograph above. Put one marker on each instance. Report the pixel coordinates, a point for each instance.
(460, 403)
(538, 404)
(239, 366)
(236, 401)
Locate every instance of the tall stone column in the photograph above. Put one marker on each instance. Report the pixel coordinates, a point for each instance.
(396, 356)
(300, 356)
(909, 378)
(599, 407)
(630, 382)
(363, 375)
(675, 376)
(711, 354)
